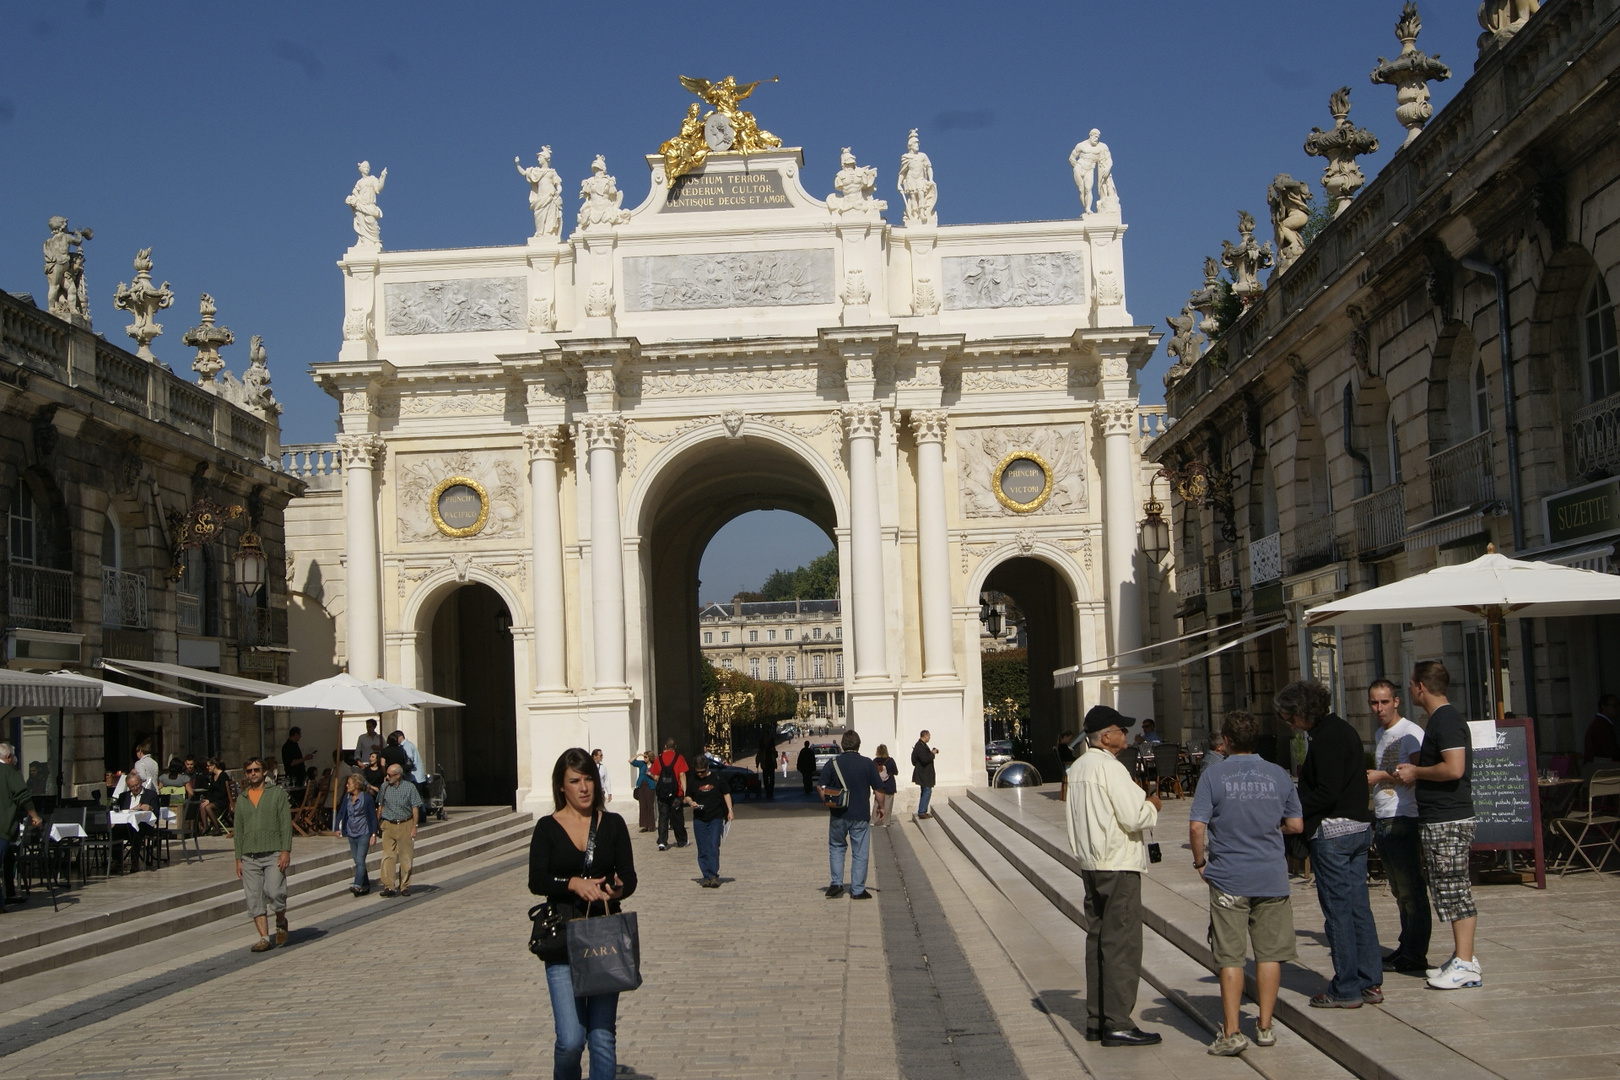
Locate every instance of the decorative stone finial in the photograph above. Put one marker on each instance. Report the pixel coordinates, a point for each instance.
(1207, 299)
(208, 339)
(1341, 146)
(917, 185)
(65, 292)
(1246, 259)
(855, 184)
(1501, 19)
(603, 199)
(1093, 157)
(367, 214)
(1290, 202)
(545, 194)
(1410, 74)
(143, 300)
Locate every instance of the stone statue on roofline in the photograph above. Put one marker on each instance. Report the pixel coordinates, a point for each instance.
(367, 214)
(1185, 344)
(1501, 19)
(1290, 202)
(855, 184)
(916, 184)
(603, 200)
(65, 292)
(1089, 159)
(1207, 299)
(545, 194)
(1410, 74)
(1341, 146)
(1245, 260)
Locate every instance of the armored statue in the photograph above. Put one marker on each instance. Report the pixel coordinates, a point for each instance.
(1341, 146)
(65, 292)
(917, 185)
(1290, 202)
(1245, 260)
(855, 184)
(1410, 74)
(1093, 157)
(545, 194)
(603, 199)
(363, 201)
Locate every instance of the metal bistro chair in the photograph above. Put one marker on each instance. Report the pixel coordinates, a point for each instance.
(98, 839)
(35, 859)
(1131, 759)
(1167, 769)
(188, 827)
(70, 849)
(1593, 830)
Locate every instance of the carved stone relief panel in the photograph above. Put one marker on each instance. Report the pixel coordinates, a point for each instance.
(1043, 279)
(459, 306)
(750, 379)
(729, 280)
(1062, 448)
(500, 477)
(457, 404)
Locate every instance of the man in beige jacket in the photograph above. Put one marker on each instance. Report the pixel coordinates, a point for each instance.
(1107, 814)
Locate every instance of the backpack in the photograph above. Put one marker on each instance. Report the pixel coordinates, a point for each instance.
(668, 788)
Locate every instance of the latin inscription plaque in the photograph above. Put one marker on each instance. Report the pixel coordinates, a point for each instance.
(1023, 482)
(727, 191)
(460, 506)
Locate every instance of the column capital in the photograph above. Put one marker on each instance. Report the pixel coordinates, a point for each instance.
(862, 419)
(361, 451)
(1115, 417)
(544, 441)
(930, 425)
(600, 431)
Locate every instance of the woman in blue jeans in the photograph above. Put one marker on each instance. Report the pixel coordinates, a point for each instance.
(355, 818)
(578, 856)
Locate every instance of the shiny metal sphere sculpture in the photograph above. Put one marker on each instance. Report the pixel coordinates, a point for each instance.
(1017, 774)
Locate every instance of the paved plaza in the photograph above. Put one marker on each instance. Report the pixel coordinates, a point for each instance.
(949, 974)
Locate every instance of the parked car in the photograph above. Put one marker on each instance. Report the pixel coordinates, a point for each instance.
(825, 752)
(996, 754)
(741, 781)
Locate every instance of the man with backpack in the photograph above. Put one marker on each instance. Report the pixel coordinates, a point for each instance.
(846, 791)
(669, 787)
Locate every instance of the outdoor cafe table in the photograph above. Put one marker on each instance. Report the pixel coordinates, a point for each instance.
(132, 818)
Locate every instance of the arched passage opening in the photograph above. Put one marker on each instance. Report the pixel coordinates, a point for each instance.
(1046, 603)
(474, 747)
(695, 496)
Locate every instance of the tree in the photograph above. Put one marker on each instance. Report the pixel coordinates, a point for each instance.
(818, 581)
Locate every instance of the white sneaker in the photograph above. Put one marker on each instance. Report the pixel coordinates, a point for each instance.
(1457, 975)
(1435, 972)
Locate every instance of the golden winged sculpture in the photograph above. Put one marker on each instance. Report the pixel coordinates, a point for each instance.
(724, 128)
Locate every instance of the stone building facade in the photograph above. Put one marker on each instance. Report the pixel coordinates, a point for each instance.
(793, 641)
(104, 455)
(1437, 371)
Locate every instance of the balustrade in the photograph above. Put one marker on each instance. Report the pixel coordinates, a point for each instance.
(1461, 476)
(41, 598)
(1314, 544)
(1380, 519)
(1597, 437)
(123, 600)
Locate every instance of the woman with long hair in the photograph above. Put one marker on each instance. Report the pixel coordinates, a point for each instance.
(355, 819)
(645, 791)
(581, 855)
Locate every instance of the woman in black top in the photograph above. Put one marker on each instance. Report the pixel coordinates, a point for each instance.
(888, 770)
(557, 871)
(373, 771)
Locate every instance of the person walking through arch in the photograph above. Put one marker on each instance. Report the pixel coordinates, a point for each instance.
(669, 774)
(807, 766)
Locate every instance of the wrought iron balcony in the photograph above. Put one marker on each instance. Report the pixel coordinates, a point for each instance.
(1265, 559)
(1227, 561)
(253, 626)
(123, 600)
(41, 598)
(1462, 475)
(1380, 519)
(1189, 580)
(1314, 544)
(1597, 438)
(188, 613)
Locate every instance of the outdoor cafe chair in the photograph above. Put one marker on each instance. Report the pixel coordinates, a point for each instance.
(188, 826)
(70, 849)
(1595, 829)
(98, 839)
(1167, 769)
(35, 858)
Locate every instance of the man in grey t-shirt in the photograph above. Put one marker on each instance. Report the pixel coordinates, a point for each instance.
(1240, 812)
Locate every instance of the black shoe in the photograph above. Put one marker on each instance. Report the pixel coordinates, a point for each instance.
(1130, 1037)
(834, 891)
(1093, 1034)
(663, 847)
(1405, 964)
(681, 844)
(389, 892)
(860, 896)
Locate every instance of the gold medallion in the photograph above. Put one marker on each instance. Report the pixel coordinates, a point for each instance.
(1022, 481)
(459, 505)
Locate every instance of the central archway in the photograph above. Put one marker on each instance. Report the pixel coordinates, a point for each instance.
(694, 492)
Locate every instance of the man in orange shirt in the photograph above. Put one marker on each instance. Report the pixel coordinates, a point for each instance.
(264, 851)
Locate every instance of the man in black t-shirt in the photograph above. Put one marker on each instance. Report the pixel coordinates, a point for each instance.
(1446, 820)
(709, 796)
(849, 827)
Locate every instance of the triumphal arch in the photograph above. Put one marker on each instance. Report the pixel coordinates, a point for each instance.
(537, 442)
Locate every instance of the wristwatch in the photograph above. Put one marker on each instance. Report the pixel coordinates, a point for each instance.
(1200, 865)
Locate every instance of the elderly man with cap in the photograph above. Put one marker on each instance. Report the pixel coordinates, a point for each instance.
(1107, 814)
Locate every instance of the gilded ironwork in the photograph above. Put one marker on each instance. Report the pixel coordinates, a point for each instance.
(199, 525)
(1199, 485)
(483, 506)
(1022, 506)
(724, 128)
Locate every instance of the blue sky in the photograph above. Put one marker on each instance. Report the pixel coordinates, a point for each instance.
(224, 136)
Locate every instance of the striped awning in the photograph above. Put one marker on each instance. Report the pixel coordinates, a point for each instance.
(23, 690)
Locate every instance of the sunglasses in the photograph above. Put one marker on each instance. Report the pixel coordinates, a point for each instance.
(251, 769)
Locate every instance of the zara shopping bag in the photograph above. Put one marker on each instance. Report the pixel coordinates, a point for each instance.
(604, 953)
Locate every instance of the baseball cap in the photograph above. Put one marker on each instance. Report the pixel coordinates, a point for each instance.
(1101, 717)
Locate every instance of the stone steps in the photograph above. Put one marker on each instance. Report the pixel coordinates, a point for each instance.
(74, 935)
(1368, 1042)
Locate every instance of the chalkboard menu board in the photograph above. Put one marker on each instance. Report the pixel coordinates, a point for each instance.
(1507, 801)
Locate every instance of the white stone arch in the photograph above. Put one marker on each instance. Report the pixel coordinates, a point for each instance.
(1058, 558)
(424, 600)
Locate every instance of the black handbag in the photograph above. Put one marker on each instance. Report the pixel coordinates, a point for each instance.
(548, 939)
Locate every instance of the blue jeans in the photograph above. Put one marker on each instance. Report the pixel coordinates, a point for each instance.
(922, 803)
(844, 834)
(708, 845)
(580, 1022)
(1341, 889)
(358, 846)
(1401, 850)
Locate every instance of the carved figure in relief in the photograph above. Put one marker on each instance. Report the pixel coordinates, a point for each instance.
(420, 475)
(1290, 202)
(1341, 146)
(1062, 448)
(1410, 74)
(1036, 279)
(545, 194)
(603, 199)
(855, 184)
(65, 293)
(363, 201)
(143, 300)
(1092, 158)
(917, 185)
(1185, 344)
(1246, 259)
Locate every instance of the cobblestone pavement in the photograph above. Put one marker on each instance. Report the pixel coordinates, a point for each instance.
(764, 977)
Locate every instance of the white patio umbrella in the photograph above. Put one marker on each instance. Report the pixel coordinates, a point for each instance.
(341, 693)
(1493, 587)
(410, 697)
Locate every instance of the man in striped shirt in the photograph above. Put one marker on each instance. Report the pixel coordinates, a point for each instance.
(397, 802)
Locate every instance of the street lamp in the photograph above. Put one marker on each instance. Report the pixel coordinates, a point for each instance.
(249, 562)
(990, 615)
(1155, 530)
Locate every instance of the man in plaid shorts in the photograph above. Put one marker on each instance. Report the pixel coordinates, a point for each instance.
(1445, 820)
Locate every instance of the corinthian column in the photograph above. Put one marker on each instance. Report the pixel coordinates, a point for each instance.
(546, 557)
(933, 556)
(1116, 419)
(861, 423)
(602, 432)
(363, 603)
